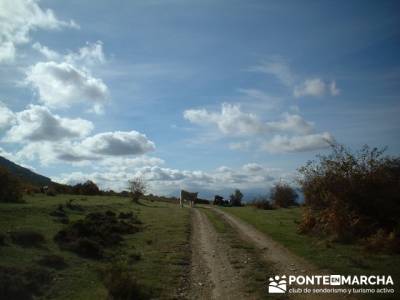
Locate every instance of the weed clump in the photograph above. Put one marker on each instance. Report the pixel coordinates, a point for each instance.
(88, 237)
(120, 281)
(52, 261)
(22, 284)
(27, 238)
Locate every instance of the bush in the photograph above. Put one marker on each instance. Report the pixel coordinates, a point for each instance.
(27, 238)
(262, 203)
(22, 284)
(52, 261)
(351, 195)
(88, 237)
(10, 187)
(120, 282)
(283, 195)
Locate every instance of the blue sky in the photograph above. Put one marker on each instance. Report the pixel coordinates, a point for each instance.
(202, 95)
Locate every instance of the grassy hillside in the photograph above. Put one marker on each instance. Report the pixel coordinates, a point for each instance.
(157, 255)
(281, 225)
(24, 174)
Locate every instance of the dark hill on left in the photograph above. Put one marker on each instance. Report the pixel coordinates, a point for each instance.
(24, 174)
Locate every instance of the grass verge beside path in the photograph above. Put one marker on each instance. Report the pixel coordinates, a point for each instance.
(281, 225)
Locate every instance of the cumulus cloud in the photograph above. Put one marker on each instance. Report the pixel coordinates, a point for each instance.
(37, 123)
(231, 120)
(118, 143)
(253, 167)
(18, 18)
(7, 117)
(62, 84)
(46, 52)
(90, 54)
(169, 181)
(315, 87)
(310, 142)
(291, 123)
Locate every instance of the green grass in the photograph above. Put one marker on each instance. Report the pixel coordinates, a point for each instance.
(281, 225)
(161, 245)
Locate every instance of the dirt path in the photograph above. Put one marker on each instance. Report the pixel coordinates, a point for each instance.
(212, 275)
(284, 261)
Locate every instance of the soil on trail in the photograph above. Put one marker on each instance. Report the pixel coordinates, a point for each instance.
(280, 258)
(212, 275)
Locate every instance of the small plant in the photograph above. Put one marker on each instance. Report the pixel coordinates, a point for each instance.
(53, 261)
(262, 203)
(24, 284)
(137, 188)
(88, 237)
(27, 238)
(120, 281)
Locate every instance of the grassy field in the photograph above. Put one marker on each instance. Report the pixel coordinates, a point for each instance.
(281, 225)
(157, 255)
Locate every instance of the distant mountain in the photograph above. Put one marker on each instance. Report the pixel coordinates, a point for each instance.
(24, 174)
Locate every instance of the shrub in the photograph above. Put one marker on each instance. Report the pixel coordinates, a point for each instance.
(351, 195)
(52, 261)
(96, 231)
(120, 281)
(283, 195)
(22, 284)
(262, 203)
(10, 187)
(27, 238)
(137, 188)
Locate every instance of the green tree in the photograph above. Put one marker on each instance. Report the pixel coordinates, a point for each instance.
(236, 198)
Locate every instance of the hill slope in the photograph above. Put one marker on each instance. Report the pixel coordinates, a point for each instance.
(24, 174)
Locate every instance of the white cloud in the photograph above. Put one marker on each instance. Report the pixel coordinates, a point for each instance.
(333, 89)
(282, 144)
(18, 18)
(118, 143)
(7, 117)
(291, 123)
(311, 87)
(315, 87)
(37, 123)
(169, 181)
(90, 54)
(46, 52)
(253, 167)
(231, 120)
(62, 84)
(277, 67)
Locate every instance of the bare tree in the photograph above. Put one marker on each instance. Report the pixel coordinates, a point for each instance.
(137, 188)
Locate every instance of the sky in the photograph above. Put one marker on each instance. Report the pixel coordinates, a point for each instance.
(207, 96)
